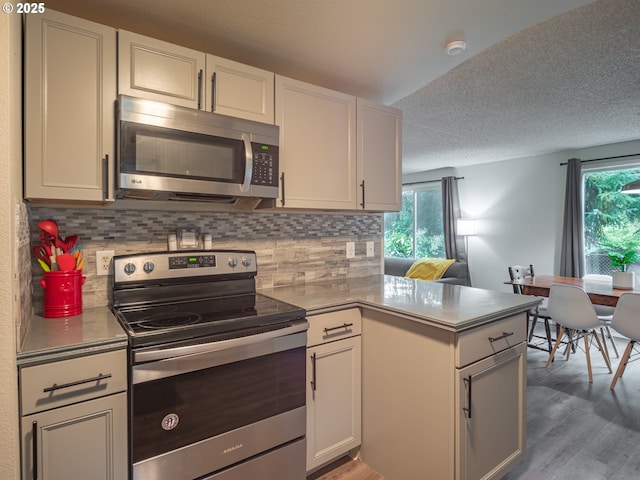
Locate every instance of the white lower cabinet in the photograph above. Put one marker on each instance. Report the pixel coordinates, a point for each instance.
(78, 441)
(490, 414)
(333, 386)
(74, 418)
(439, 404)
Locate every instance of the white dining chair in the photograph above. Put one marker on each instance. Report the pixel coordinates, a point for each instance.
(519, 272)
(571, 309)
(626, 322)
(604, 312)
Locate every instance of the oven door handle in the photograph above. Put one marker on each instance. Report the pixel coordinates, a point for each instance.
(159, 363)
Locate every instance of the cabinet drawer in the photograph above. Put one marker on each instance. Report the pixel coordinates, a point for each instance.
(477, 343)
(69, 381)
(334, 326)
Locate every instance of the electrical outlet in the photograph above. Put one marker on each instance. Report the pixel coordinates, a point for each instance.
(351, 249)
(370, 249)
(103, 261)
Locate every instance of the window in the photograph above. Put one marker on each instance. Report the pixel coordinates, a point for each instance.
(416, 230)
(610, 216)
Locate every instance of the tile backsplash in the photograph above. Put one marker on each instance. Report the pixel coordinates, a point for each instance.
(22, 255)
(291, 247)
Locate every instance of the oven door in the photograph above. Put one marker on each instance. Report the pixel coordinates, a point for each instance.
(208, 407)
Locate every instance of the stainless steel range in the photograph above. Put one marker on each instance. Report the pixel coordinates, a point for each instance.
(217, 371)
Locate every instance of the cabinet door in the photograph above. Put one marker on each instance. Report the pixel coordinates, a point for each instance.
(239, 90)
(70, 93)
(84, 440)
(379, 156)
(160, 71)
(317, 146)
(333, 400)
(490, 415)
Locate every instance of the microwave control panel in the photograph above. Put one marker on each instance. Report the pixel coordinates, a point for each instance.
(265, 165)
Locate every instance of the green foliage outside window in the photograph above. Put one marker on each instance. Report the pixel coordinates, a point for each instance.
(611, 220)
(416, 231)
(621, 243)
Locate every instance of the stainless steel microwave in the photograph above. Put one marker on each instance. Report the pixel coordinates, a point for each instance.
(171, 152)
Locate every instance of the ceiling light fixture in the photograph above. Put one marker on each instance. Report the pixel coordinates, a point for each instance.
(455, 48)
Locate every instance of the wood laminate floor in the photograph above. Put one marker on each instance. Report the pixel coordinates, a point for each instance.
(346, 469)
(575, 430)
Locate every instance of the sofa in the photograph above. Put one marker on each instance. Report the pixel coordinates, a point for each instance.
(457, 273)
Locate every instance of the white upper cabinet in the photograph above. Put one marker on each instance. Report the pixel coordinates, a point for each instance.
(317, 146)
(379, 156)
(70, 93)
(239, 90)
(337, 152)
(161, 71)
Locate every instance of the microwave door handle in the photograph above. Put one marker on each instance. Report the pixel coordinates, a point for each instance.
(248, 171)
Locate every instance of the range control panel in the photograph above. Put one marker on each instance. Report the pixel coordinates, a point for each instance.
(185, 264)
(192, 261)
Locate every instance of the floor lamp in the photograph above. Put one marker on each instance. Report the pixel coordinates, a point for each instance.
(467, 227)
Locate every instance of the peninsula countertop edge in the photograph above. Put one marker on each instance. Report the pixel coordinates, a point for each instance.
(451, 307)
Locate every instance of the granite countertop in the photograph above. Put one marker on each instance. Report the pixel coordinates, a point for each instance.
(451, 307)
(50, 339)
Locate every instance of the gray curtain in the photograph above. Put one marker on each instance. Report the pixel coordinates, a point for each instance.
(453, 244)
(572, 252)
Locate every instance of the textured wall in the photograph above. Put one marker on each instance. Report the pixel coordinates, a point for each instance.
(10, 233)
(291, 247)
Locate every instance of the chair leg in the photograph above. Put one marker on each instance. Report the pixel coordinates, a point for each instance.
(604, 343)
(624, 369)
(534, 320)
(547, 329)
(623, 364)
(569, 349)
(613, 342)
(555, 348)
(603, 351)
(585, 335)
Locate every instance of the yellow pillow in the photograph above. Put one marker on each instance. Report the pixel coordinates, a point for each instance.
(429, 268)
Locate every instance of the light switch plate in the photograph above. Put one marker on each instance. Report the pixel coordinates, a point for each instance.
(370, 249)
(351, 249)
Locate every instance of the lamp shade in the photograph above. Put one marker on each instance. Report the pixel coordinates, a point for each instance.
(631, 187)
(466, 226)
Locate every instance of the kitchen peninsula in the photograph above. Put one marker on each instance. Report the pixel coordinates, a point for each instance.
(424, 345)
(390, 366)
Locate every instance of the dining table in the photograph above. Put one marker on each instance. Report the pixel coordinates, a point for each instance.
(600, 292)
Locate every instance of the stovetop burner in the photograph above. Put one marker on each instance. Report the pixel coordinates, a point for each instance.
(167, 297)
(169, 319)
(171, 322)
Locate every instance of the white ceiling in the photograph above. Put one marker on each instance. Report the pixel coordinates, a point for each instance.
(534, 79)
